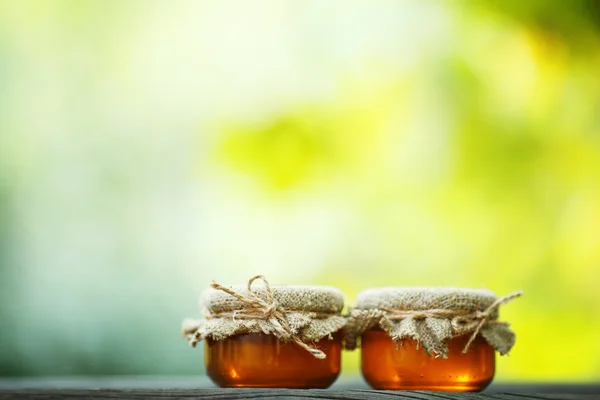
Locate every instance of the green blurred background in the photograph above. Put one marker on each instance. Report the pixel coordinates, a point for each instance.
(148, 147)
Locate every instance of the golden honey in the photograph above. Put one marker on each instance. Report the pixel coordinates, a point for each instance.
(387, 364)
(263, 361)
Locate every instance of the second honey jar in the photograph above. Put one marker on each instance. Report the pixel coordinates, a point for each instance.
(441, 339)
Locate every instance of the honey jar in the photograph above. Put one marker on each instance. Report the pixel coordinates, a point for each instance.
(271, 336)
(439, 339)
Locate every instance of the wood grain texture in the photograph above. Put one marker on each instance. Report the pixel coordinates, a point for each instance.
(214, 393)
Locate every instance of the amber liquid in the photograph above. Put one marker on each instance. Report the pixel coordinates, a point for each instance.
(388, 365)
(261, 361)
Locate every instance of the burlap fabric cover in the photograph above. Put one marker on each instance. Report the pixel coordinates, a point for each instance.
(303, 314)
(431, 316)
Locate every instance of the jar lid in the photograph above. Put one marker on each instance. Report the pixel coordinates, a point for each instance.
(425, 298)
(299, 314)
(431, 316)
(320, 299)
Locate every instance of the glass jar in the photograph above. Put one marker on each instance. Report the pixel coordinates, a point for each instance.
(386, 364)
(270, 337)
(439, 339)
(258, 360)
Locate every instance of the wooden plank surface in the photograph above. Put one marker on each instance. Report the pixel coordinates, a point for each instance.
(166, 388)
(349, 394)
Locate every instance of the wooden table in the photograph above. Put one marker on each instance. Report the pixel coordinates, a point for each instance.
(165, 388)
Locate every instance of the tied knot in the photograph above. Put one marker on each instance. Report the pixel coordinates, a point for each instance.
(268, 309)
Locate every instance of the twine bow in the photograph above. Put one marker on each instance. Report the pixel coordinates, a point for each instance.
(268, 309)
(462, 323)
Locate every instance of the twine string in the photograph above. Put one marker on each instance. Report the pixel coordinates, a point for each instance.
(484, 316)
(267, 309)
(462, 322)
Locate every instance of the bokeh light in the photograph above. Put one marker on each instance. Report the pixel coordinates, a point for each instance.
(149, 147)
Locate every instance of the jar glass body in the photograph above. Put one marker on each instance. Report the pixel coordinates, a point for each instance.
(262, 361)
(390, 365)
